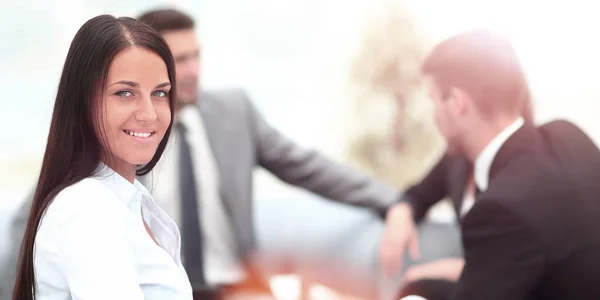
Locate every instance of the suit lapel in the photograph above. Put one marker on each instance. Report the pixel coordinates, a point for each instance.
(211, 124)
(215, 126)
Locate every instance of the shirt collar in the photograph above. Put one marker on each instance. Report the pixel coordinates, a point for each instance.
(124, 189)
(484, 161)
(188, 114)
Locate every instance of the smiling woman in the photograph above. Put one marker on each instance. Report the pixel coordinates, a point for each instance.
(94, 232)
(137, 108)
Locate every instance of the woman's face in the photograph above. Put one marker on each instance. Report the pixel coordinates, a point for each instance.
(135, 107)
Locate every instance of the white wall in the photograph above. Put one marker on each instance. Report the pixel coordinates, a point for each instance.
(556, 41)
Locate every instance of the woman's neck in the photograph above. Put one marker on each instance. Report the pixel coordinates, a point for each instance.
(123, 168)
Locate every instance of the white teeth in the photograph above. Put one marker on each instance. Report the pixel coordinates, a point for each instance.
(139, 134)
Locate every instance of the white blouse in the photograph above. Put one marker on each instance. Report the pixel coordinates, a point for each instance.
(92, 244)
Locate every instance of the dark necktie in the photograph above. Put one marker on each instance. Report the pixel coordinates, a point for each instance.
(191, 234)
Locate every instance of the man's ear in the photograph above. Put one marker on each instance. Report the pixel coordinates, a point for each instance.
(459, 101)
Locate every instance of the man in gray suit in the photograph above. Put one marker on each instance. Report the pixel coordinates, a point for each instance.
(204, 179)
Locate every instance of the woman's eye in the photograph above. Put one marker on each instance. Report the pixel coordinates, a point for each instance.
(124, 94)
(161, 94)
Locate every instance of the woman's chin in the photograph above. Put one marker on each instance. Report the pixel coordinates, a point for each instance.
(141, 160)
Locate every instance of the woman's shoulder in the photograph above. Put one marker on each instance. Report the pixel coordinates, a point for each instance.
(89, 191)
(86, 199)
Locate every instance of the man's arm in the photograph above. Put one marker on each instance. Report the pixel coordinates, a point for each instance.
(504, 256)
(308, 169)
(432, 189)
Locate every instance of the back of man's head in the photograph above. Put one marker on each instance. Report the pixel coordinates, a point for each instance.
(164, 20)
(485, 66)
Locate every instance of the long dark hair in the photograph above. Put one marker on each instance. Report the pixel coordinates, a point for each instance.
(75, 144)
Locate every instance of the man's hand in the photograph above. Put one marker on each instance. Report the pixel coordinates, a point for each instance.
(400, 233)
(445, 268)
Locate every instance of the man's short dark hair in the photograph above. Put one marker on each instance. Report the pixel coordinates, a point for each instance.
(483, 64)
(167, 20)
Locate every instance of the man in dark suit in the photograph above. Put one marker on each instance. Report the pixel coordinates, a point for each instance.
(204, 179)
(450, 178)
(532, 230)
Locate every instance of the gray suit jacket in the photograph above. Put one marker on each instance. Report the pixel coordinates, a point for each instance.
(241, 140)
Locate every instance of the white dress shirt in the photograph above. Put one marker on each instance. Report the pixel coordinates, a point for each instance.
(484, 161)
(468, 199)
(92, 244)
(221, 264)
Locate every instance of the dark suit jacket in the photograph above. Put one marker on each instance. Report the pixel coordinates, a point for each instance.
(534, 233)
(447, 179)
